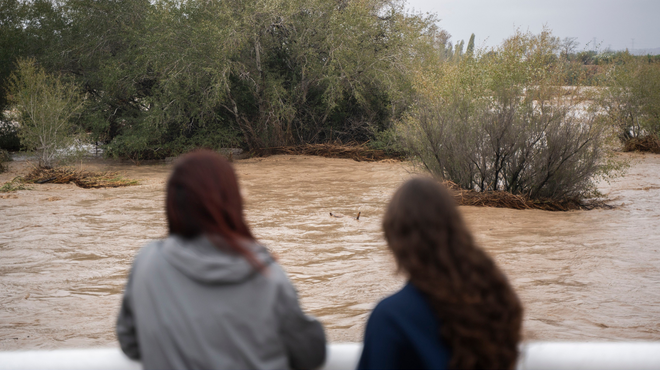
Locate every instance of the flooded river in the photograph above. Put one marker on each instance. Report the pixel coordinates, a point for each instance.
(584, 275)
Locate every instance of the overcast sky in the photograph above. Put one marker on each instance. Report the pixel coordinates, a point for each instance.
(613, 23)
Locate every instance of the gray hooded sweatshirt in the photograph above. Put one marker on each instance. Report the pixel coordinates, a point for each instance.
(189, 305)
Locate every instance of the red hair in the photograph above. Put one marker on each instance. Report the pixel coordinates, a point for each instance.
(203, 198)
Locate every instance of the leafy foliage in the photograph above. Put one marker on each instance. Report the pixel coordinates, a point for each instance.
(14, 185)
(27, 28)
(161, 77)
(631, 98)
(164, 76)
(45, 107)
(503, 121)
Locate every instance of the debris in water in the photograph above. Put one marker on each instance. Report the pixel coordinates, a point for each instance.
(84, 179)
(649, 143)
(339, 215)
(503, 199)
(358, 152)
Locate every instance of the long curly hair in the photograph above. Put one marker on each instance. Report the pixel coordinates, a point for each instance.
(480, 314)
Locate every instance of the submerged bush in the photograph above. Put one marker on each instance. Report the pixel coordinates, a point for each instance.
(502, 121)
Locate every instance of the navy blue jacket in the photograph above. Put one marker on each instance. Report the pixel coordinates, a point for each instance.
(403, 333)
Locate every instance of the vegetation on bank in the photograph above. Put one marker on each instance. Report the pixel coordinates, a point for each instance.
(13, 185)
(631, 102)
(162, 77)
(534, 117)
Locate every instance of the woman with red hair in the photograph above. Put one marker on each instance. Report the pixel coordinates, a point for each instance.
(209, 295)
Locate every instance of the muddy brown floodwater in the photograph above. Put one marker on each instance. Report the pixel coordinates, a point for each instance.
(583, 275)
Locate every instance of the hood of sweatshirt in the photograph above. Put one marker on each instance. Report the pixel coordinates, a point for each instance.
(203, 261)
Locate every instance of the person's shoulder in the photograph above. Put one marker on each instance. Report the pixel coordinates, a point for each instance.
(403, 297)
(275, 274)
(392, 303)
(408, 300)
(272, 269)
(148, 250)
(388, 318)
(152, 246)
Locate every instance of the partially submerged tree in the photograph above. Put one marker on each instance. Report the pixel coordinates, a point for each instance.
(503, 121)
(45, 107)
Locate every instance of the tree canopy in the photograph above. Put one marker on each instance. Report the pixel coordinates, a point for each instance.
(163, 76)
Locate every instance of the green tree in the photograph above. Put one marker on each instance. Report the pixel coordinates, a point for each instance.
(470, 46)
(458, 50)
(103, 47)
(27, 29)
(163, 76)
(271, 73)
(45, 107)
(632, 97)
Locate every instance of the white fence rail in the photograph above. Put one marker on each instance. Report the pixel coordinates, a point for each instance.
(534, 356)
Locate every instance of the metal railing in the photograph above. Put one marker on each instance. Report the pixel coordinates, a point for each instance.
(534, 356)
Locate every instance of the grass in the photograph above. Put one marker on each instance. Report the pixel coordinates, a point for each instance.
(15, 184)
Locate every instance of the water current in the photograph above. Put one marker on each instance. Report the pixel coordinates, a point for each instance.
(583, 275)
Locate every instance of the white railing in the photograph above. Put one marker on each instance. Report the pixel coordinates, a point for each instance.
(344, 356)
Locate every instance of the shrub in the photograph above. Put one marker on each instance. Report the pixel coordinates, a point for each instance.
(632, 97)
(45, 107)
(15, 184)
(502, 121)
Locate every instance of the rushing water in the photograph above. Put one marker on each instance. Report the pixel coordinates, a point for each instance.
(584, 275)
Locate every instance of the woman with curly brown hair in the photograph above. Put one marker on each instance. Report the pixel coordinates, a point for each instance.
(458, 309)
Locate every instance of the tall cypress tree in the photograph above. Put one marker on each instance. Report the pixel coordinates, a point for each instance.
(470, 47)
